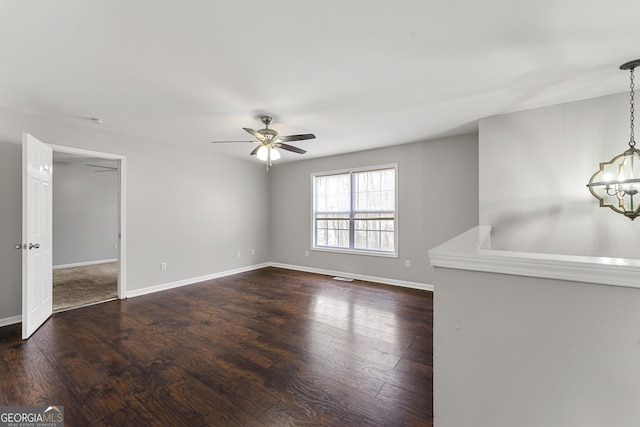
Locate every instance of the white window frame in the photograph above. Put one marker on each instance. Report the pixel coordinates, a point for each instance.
(353, 250)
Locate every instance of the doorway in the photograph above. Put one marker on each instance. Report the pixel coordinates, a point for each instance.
(88, 227)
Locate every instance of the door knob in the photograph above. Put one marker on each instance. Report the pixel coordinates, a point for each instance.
(32, 246)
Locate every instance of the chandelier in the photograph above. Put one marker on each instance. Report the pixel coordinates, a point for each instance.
(617, 183)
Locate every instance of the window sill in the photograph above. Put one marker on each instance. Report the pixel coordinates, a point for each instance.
(357, 252)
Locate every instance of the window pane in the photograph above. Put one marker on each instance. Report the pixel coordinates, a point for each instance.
(373, 233)
(331, 232)
(343, 240)
(373, 240)
(333, 193)
(321, 237)
(387, 241)
(387, 225)
(337, 238)
(374, 190)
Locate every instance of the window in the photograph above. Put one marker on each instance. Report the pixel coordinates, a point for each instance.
(356, 210)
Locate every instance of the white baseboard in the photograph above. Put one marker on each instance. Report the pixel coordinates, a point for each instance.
(191, 281)
(382, 280)
(163, 287)
(82, 264)
(10, 320)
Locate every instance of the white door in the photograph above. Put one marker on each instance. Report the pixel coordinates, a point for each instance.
(37, 287)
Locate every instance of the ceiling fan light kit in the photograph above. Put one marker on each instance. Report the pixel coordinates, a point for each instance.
(270, 141)
(274, 154)
(267, 154)
(263, 153)
(616, 184)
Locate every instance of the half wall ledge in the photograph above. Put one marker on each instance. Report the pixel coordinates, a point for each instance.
(472, 251)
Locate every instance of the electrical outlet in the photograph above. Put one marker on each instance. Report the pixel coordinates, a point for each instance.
(306, 253)
(163, 266)
(253, 252)
(238, 254)
(407, 264)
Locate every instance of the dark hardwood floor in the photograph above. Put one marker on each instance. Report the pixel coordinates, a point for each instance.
(270, 347)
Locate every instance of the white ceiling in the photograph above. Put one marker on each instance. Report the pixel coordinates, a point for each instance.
(359, 74)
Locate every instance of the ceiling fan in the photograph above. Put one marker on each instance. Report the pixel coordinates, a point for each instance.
(103, 168)
(270, 141)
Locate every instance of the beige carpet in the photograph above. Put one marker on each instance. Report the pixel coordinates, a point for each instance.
(78, 286)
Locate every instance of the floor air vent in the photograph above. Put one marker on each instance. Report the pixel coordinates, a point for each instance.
(343, 279)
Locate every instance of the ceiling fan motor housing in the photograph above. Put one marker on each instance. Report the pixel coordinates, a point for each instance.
(268, 134)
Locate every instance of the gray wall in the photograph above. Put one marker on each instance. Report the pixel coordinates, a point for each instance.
(85, 214)
(10, 229)
(188, 207)
(534, 166)
(519, 351)
(437, 201)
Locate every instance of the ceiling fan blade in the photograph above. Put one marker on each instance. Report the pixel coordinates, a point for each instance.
(258, 136)
(255, 150)
(291, 148)
(103, 167)
(289, 138)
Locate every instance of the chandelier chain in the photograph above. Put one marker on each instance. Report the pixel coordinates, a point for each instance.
(632, 141)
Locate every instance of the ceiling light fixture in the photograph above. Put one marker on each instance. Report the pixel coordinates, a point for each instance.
(617, 183)
(263, 153)
(267, 153)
